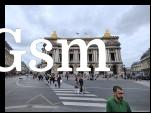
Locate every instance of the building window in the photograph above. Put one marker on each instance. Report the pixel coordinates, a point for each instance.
(90, 57)
(71, 57)
(79, 57)
(112, 56)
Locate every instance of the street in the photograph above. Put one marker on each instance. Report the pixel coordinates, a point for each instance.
(31, 95)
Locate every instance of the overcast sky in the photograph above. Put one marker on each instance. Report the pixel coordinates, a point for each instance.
(131, 23)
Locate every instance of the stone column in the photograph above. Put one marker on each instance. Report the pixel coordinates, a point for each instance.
(109, 55)
(96, 56)
(76, 55)
(93, 55)
(56, 55)
(78, 60)
(116, 55)
(120, 55)
(106, 55)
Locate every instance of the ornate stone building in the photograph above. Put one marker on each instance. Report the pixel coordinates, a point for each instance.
(143, 65)
(136, 67)
(145, 62)
(113, 54)
(9, 59)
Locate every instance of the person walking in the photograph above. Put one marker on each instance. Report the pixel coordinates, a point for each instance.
(59, 80)
(67, 75)
(116, 103)
(76, 85)
(50, 78)
(47, 78)
(53, 78)
(81, 84)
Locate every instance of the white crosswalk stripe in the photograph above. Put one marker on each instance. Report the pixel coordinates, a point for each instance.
(85, 104)
(67, 91)
(64, 89)
(69, 97)
(81, 98)
(72, 94)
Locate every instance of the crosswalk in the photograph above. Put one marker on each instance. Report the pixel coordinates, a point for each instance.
(69, 97)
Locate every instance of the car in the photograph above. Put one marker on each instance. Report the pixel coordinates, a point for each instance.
(139, 76)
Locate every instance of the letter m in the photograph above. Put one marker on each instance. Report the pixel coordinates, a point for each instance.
(83, 55)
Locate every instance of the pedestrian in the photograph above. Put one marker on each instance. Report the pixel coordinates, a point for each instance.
(116, 103)
(77, 85)
(39, 77)
(50, 78)
(67, 76)
(81, 84)
(53, 78)
(59, 80)
(47, 78)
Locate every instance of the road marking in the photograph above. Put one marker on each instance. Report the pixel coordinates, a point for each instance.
(61, 89)
(21, 85)
(123, 88)
(82, 98)
(40, 106)
(68, 91)
(40, 95)
(32, 98)
(75, 94)
(46, 100)
(13, 107)
(85, 104)
(140, 111)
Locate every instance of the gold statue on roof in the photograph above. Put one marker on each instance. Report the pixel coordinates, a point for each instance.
(107, 34)
(54, 35)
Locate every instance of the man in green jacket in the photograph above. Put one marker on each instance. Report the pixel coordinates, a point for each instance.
(116, 102)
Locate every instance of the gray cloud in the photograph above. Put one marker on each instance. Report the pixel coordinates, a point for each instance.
(133, 19)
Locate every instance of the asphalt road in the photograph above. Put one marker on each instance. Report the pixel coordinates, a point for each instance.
(32, 95)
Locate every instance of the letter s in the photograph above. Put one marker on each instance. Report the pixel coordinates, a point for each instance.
(46, 57)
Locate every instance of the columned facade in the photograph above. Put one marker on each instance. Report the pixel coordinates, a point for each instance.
(113, 54)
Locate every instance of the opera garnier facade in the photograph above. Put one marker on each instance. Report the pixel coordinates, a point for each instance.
(113, 54)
